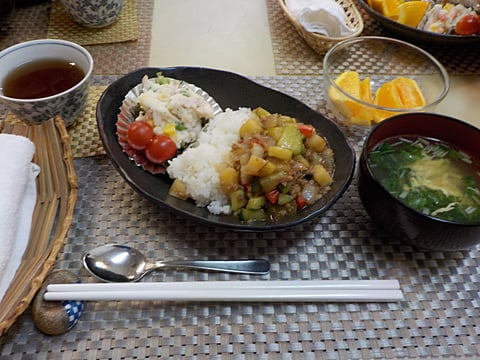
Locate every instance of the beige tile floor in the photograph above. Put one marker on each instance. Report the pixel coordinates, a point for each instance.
(235, 36)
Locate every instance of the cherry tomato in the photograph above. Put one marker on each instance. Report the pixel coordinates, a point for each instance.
(467, 25)
(160, 149)
(139, 135)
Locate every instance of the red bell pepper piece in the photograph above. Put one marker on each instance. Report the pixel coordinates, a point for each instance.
(300, 201)
(306, 130)
(272, 196)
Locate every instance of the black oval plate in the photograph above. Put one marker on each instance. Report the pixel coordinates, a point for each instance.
(230, 91)
(417, 35)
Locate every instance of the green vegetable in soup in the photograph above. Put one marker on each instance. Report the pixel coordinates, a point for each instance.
(429, 176)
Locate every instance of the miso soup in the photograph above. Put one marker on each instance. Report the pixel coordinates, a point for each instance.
(430, 176)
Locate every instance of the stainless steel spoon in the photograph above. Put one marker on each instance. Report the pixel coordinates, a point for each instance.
(120, 263)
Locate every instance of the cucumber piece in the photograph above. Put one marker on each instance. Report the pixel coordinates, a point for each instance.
(238, 199)
(292, 139)
(250, 215)
(256, 203)
(284, 199)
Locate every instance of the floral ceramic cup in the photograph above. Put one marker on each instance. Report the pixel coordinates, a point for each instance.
(94, 13)
(70, 103)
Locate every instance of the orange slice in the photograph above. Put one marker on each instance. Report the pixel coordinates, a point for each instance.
(410, 93)
(376, 5)
(410, 13)
(400, 93)
(366, 90)
(349, 81)
(364, 114)
(386, 95)
(390, 8)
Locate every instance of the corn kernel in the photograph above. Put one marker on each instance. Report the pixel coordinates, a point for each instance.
(169, 129)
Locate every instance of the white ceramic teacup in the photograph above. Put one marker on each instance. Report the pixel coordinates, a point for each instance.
(94, 13)
(70, 103)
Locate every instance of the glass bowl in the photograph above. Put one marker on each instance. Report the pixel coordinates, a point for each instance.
(381, 60)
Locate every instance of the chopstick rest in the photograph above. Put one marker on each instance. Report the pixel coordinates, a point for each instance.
(233, 291)
(55, 318)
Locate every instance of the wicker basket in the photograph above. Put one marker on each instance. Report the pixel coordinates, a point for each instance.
(321, 43)
(52, 216)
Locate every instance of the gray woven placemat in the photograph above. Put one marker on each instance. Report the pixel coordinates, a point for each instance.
(84, 137)
(439, 317)
(31, 18)
(293, 56)
(62, 26)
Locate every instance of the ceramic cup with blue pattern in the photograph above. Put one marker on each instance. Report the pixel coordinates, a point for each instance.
(94, 13)
(68, 104)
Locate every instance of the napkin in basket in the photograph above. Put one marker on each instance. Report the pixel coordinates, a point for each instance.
(18, 194)
(325, 17)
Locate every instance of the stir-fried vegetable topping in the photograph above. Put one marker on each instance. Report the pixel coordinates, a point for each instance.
(278, 166)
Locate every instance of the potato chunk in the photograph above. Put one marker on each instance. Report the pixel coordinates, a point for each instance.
(316, 143)
(250, 127)
(321, 175)
(178, 189)
(229, 179)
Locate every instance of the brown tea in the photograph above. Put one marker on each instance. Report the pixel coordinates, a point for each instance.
(42, 78)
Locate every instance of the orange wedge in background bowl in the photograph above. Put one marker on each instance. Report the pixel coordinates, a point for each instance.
(349, 81)
(365, 114)
(400, 93)
(376, 5)
(390, 8)
(410, 13)
(410, 93)
(388, 96)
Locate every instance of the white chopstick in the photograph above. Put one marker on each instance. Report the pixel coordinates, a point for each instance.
(238, 295)
(278, 284)
(276, 290)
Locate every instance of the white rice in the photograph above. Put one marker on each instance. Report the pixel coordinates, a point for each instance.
(197, 166)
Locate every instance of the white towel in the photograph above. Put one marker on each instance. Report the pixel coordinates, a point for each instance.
(18, 194)
(326, 17)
